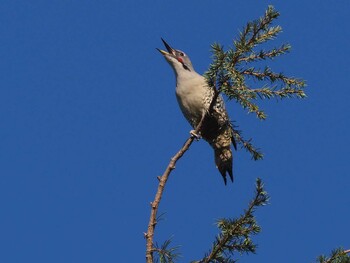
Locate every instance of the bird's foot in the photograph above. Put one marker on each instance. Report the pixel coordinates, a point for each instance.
(195, 135)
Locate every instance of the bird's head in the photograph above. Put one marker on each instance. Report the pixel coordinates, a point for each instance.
(176, 58)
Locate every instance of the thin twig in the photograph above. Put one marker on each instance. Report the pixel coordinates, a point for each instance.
(164, 178)
(162, 181)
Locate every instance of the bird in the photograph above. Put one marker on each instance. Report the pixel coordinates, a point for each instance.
(194, 97)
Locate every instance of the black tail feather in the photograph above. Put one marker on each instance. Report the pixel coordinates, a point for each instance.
(224, 170)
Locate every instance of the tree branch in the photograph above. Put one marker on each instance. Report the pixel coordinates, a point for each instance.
(164, 178)
(155, 204)
(235, 234)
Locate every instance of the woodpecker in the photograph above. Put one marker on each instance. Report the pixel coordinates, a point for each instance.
(194, 97)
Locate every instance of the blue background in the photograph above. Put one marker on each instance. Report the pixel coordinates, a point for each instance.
(88, 119)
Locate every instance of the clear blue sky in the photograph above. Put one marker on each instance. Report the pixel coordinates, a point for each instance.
(88, 119)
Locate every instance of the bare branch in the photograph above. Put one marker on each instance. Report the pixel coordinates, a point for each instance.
(155, 204)
(164, 178)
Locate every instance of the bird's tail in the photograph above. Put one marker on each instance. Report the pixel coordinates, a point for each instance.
(223, 153)
(223, 161)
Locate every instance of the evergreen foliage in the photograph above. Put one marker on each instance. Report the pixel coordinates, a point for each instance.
(165, 253)
(233, 71)
(337, 256)
(235, 234)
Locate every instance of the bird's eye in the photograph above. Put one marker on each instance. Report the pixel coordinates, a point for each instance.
(182, 54)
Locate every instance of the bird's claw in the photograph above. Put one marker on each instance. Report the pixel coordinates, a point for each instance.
(195, 135)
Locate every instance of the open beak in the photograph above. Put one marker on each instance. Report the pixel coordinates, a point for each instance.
(171, 51)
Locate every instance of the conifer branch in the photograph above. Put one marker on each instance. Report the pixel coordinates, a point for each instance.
(262, 55)
(165, 254)
(337, 256)
(233, 70)
(235, 235)
(267, 74)
(246, 144)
